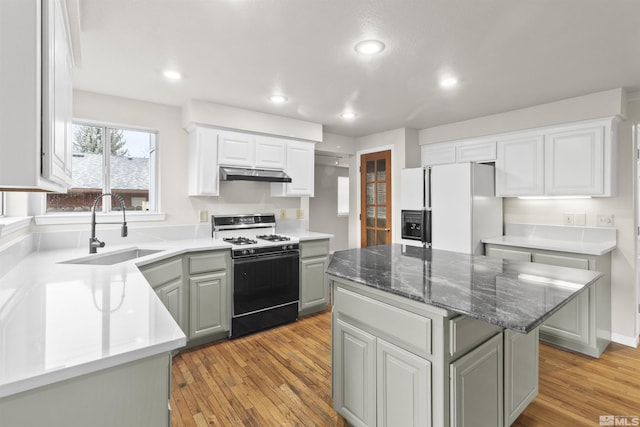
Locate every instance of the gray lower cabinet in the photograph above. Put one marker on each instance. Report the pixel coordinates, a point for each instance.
(195, 290)
(134, 394)
(208, 294)
(397, 362)
(477, 386)
(314, 286)
(584, 324)
(166, 279)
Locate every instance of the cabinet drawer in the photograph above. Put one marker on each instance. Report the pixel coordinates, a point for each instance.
(400, 327)
(165, 272)
(466, 333)
(314, 248)
(208, 261)
(513, 254)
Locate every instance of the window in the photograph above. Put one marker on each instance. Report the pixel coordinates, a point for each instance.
(109, 160)
(343, 195)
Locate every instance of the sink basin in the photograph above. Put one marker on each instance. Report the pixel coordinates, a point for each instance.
(113, 257)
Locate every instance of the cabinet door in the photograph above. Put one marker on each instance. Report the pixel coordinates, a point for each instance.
(476, 152)
(236, 149)
(208, 304)
(403, 386)
(438, 154)
(574, 162)
(314, 287)
(520, 372)
(203, 162)
(57, 94)
(270, 153)
(476, 386)
(300, 167)
(354, 381)
(520, 167)
(571, 322)
(172, 296)
(512, 254)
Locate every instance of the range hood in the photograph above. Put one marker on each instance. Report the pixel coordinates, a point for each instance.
(228, 173)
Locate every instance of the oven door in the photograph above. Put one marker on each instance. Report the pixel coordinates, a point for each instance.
(265, 281)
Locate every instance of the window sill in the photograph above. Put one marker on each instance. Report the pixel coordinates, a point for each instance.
(85, 217)
(10, 224)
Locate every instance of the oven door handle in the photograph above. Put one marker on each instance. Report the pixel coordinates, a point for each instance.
(279, 256)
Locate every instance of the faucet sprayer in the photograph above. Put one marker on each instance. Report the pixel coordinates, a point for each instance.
(94, 243)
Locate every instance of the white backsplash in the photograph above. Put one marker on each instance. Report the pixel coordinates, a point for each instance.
(562, 233)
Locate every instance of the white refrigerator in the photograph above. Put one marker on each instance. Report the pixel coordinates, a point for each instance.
(459, 202)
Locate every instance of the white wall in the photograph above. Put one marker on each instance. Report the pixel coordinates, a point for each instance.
(610, 103)
(323, 207)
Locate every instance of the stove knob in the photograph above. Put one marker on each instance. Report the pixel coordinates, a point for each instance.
(251, 251)
(245, 252)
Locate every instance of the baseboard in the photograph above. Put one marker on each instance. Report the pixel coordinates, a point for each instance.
(625, 340)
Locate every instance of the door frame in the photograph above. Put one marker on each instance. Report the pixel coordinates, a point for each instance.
(395, 215)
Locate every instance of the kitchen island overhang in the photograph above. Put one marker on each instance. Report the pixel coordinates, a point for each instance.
(425, 337)
(510, 294)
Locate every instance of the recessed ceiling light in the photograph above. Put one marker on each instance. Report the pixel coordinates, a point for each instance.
(278, 99)
(348, 115)
(369, 47)
(448, 82)
(172, 75)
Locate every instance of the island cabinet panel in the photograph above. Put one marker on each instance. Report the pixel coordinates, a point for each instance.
(354, 371)
(466, 333)
(583, 324)
(314, 286)
(403, 387)
(520, 372)
(477, 386)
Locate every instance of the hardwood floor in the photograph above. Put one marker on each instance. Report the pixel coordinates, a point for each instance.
(282, 377)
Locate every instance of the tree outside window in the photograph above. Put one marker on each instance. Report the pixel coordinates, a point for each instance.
(107, 159)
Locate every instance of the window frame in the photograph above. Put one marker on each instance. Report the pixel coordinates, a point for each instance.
(340, 196)
(3, 204)
(154, 213)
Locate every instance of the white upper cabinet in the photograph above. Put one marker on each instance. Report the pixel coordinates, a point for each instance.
(520, 166)
(300, 167)
(270, 153)
(36, 102)
(236, 149)
(458, 152)
(573, 160)
(203, 162)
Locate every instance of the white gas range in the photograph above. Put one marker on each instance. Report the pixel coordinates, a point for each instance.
(266, 279)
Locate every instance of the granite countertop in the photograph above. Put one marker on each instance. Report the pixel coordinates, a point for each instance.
(510, 294)
(58, 321)
(581, 240)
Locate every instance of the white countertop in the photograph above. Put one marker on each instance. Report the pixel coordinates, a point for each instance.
(58, 321)
(581, 240)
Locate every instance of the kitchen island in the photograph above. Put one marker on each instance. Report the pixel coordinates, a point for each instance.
(423, 337)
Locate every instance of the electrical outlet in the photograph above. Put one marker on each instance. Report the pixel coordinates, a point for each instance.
(568, 219)
(283, 213)
(300, 213)
(604, 220)
(580, 219)
(204, 216)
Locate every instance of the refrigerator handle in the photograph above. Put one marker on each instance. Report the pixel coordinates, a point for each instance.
(426, 227)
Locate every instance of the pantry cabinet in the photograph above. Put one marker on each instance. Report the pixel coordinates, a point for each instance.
(584, 324)
(36, 103)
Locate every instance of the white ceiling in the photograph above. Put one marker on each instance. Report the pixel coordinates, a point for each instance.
(507, 54)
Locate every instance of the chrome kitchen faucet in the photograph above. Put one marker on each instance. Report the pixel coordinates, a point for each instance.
(94, 243)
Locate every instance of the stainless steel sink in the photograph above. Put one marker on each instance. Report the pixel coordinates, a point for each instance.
(113, 257)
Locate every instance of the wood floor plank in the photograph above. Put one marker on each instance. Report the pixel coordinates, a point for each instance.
(282, 377)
